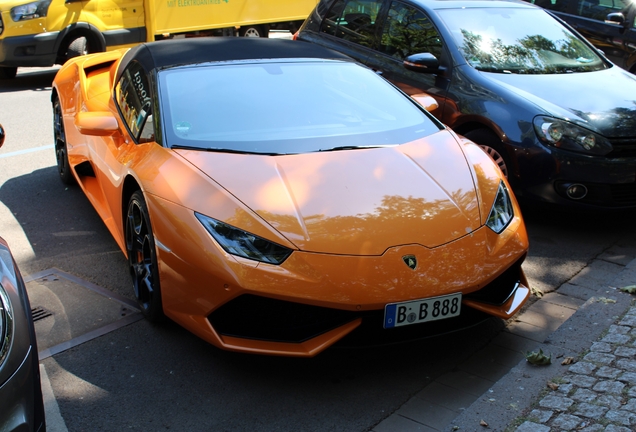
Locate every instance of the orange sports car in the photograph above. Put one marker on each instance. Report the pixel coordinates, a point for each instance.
(275, 196)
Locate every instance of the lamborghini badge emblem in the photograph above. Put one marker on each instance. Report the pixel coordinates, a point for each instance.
(410, 261)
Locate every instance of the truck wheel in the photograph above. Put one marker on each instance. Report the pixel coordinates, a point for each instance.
(253, 31)
(8, 72)
(77, 47)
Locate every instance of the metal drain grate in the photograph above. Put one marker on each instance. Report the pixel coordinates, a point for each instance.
(40, 313)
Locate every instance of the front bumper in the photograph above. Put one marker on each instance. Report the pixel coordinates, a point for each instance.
(313, 300)
(29, 51)
(607, 181)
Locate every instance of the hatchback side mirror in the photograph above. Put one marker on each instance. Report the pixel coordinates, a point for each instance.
(615, 18)
(2, 135)
(423, 62)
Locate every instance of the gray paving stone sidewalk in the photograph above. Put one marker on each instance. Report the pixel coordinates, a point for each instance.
(496, 389)
(598, 393)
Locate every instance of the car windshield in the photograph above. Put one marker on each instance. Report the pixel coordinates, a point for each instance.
(518, 40)
(286, 107)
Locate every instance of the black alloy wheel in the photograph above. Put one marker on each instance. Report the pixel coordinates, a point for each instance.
(61, 152)
(142, 258)
(491, 144)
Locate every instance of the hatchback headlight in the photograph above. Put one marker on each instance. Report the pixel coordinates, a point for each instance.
(568, 136)
(36, 9)
(244, 244)
(501, 212)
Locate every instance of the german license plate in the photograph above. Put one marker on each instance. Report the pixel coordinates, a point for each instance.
(424, 310)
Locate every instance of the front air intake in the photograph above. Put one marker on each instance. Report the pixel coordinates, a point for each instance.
(254, 317)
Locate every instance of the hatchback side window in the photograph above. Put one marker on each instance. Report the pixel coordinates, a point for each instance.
(555, 5)
(598, 9)
(135, 104)
(353, 20)
(408, 31)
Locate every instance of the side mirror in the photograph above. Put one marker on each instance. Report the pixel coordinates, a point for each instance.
(2, 135)
(427, 101)
(423, 62)
(96, 123)
(615, 18)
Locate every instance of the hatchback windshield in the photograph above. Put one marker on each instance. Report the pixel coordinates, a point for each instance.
(286, 107)
(515, 40)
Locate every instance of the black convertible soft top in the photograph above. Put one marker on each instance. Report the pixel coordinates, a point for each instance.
(175, 52)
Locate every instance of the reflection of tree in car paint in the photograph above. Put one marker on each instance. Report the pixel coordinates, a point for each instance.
(458, 265)
(394, 214)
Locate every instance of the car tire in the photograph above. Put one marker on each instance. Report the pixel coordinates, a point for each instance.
(492, 145)
(142, 258)
(253, 31)
(8, 72)
(61, 151)
(77, 47)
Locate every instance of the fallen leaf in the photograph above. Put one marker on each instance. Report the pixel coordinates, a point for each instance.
(553, 386)
(631, 289)
(536, 292)
(483, 423)
(538, 358)
(606, 300)
(568, 361)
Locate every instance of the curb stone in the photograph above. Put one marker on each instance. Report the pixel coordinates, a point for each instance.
(513, 400)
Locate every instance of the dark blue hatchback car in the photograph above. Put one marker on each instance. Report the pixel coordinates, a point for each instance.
(557, 116)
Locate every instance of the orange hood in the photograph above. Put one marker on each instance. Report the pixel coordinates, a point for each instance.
(355, 202)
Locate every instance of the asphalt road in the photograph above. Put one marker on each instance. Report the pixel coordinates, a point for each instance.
(145, 377)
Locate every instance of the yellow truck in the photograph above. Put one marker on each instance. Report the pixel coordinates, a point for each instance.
(48, 32)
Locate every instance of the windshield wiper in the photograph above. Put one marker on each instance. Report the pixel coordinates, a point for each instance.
(222, 150)
(354, 147)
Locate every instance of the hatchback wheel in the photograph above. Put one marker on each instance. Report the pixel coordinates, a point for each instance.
(491, 144)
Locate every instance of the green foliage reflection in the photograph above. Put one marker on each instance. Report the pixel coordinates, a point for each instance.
(533, 54)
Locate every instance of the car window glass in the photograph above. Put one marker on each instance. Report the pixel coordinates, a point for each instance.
(598, 9)
(350, 106)
(133, 97)
(353, 20)
(518, 40)
(408, 31)
(555, 5)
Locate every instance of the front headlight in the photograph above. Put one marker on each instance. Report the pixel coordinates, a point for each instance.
(29, 11)
(241, 243)
(568, 136)
(501, 212)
